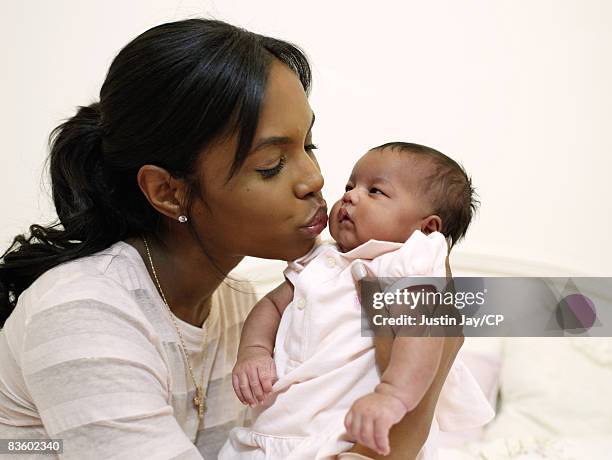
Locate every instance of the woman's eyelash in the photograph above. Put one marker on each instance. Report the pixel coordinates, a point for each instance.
(268, 173)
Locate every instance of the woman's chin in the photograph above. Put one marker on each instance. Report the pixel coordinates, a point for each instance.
(286, 253)
(304, 249)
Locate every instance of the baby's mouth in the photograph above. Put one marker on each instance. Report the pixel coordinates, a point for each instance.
(344, 216)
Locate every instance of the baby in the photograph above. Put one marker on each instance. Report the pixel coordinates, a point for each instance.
(302, 354)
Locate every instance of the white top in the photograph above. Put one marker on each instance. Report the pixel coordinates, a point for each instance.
(90, 356)
(324, 362)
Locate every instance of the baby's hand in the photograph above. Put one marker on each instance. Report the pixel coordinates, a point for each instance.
(370, 419)
(253, 375)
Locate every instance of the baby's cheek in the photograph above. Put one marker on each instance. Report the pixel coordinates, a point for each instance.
(383, 228)
(333, 228)
(333, 219)
(370, 228)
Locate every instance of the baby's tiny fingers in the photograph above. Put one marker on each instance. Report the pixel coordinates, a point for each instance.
(356, 428)
(236, 385)
(245, 387)
(381, 437)
(348, 421)
(264, 379)
(255, 385)
(273, 374)
(367, 433)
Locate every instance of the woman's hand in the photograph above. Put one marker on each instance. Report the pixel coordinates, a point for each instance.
(253, 375)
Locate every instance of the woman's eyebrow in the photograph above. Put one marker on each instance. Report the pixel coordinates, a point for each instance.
(268, 141)
(278, 140)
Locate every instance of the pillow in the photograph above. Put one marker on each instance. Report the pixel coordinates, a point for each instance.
(558, 386)
(531, 448)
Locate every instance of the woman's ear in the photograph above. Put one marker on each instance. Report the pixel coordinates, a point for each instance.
(165, 193)
(431, 224)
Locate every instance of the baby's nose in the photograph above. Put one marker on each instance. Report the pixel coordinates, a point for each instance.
(350, 196)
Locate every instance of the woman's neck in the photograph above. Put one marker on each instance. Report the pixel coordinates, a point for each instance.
(187, 276)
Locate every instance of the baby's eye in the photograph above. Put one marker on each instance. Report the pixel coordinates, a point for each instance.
(348, 188)
(376, 191)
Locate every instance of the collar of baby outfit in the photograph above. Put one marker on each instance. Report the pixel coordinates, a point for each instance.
(370, 249)
(367, 251)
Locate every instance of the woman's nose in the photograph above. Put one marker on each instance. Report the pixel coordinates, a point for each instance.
(311, 181)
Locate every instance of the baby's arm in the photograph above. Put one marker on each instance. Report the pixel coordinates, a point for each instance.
(254, 372)
(413, 365)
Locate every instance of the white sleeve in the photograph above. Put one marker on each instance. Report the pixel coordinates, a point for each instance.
(420, 256)
(98, 379)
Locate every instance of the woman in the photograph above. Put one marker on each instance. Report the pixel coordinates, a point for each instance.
(122, 331)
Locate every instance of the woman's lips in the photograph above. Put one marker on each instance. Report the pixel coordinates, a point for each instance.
(317, 223)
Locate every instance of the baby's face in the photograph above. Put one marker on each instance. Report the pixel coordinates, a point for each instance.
(381, 200)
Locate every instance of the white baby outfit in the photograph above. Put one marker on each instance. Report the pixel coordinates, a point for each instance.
(324, 363)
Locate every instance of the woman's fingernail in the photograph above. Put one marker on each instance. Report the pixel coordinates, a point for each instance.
(359, 271)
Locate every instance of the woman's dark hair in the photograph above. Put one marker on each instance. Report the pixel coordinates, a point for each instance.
(167, 95)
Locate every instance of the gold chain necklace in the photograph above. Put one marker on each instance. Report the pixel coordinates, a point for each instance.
(199, 400)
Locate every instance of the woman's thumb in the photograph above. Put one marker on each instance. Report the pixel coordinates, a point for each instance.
(359, 271)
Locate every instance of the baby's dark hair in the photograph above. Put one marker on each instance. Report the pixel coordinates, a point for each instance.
(449, 188)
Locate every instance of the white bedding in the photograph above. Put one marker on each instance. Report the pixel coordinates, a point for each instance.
(530, 448)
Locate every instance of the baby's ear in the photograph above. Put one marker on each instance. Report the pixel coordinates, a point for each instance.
(431, 224)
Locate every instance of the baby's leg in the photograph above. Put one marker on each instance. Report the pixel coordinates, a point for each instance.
(408, 436)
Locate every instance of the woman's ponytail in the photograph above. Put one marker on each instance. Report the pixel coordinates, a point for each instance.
(82, 197)
(82, 185)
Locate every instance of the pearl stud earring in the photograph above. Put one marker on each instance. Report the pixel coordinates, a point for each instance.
(182, 218)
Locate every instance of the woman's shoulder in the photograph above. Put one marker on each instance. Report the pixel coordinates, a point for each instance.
(108, 277)
(75, 302)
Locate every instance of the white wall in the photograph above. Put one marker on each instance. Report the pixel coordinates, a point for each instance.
(518, 91)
